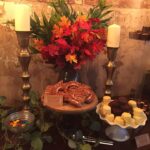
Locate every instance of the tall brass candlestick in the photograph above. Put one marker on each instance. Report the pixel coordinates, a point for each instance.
(24, 59)
(110, 67)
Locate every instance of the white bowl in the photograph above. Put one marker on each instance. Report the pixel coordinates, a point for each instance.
(112, 123)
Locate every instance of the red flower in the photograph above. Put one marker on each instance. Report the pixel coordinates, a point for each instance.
(74, 43)
(62, 43)
(85, 25)
(67, 32)
(88, 53)
(53, 50)
(44, 52)
(73, 49)
(93, 20)
(74, 28)
(86, 37)
(60, 61)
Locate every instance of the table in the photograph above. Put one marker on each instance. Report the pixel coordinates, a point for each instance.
(61, 143)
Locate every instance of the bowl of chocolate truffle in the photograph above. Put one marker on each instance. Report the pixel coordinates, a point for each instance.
(20, 121)
(121, 114)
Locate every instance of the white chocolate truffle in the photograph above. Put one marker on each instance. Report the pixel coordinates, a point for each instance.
(133, 122)
(132, 103)
(106, 110)
(110, 117)
(119, 121)
(101, 109)
(139, 120)
(106, 99)
(127, 118)
(138, 112)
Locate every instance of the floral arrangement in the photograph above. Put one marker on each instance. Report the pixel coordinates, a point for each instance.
(69, 39)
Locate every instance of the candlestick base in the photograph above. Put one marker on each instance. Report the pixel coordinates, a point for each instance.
(117, 133)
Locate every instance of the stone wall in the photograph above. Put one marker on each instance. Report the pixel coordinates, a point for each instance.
(132, 59)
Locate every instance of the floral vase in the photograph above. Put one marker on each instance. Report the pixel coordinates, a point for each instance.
(69, 74)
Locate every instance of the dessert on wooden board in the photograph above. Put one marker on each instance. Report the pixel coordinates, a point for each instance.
(72, 92)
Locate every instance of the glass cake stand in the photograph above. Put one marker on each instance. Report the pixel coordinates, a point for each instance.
(66, 108)
(68, 116)
(117, 133)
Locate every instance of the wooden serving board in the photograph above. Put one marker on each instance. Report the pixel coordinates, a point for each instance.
(66, 108)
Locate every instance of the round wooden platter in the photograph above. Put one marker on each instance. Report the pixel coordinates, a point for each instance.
(67, 108)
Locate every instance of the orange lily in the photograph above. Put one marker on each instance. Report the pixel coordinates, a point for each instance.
(71, 58)
(86, 37)
(64, 22)
(38, 43)
(81, 18)
(57, 31)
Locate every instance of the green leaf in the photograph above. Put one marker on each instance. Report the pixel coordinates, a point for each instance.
(63, 9)
(86, 147)
(26, 136)
(34, 99)
(106, 13)
(2, 100)
(3, 127)
(106, 20)
(44, 126)
(19, 148)
(107, 7)
(45, 21)
(101, 10)
(37, 18)
(85, 122)
(33, 50)
(37, 143)
(3, 113)
(35, 134)
(47, 138)
(8, 146)
(95, 126)
(72, 144)
(33, 23)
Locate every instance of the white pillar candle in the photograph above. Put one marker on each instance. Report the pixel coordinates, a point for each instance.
(22, 17)
(113, 36)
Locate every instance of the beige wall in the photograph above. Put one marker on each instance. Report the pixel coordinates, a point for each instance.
(132, 59)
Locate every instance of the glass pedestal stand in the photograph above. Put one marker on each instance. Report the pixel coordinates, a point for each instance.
(117, 133)
(68, 125)
(68, 116)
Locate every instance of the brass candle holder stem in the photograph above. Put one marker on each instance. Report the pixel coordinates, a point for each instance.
(24, 115)
(110, 68)
(24, 59)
